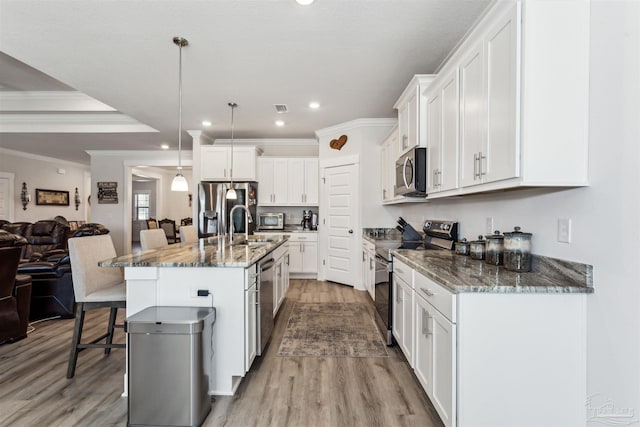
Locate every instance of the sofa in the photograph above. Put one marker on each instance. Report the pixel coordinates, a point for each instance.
(15, 295)
(45, 239)
(50, 269)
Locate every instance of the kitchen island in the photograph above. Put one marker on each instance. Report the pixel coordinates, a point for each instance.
(212, 272)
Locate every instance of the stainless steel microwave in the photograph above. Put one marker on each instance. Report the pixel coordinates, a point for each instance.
(271, 221)
(411, 173)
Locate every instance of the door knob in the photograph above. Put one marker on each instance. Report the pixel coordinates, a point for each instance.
(350, 231)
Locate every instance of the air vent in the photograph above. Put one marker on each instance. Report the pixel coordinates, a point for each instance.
(281, 108)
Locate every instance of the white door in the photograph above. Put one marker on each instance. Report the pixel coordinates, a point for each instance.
(342, 224)
(6, 196)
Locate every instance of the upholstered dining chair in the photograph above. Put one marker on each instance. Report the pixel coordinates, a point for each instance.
(94, 287)
(152, 223)
(153, 239)
(188, 234)
(169, 227)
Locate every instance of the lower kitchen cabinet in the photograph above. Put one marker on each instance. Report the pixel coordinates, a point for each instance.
(369, 268)
(280, 277)
(250, 318)
(403, 316)
(303, 255)
(493, 359)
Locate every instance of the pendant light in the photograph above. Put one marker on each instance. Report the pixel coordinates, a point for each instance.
(179, 182)
(231, 193)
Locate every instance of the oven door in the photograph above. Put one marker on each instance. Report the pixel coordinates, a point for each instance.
(383, 297)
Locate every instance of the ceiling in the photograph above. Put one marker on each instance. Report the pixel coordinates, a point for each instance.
(110, 69)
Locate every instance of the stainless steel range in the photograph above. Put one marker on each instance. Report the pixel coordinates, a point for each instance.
(438, 235)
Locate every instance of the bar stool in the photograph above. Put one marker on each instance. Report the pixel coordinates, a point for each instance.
(188, 234)
(94, 287)
(153, 239)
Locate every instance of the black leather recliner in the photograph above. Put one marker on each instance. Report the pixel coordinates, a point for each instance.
(15, 293)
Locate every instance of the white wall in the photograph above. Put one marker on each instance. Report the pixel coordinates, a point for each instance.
(605, 216)
(117, 166)
(43, 173)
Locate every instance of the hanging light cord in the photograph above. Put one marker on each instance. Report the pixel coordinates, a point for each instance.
(233, 106)
(180, 44)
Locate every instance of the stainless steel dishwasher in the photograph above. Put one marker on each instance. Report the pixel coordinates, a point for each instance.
(265, 302)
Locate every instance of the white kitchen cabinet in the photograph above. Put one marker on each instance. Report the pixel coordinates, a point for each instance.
(442, 133)
(273, 176)
(479, 369)
(403, 309)
(388, 156)
(523, 99)
(216, 163)
(280, 277)
(303, 182)
(288, 181)
(302, 255)
(369, 267)
(250, 318)
(411, 116)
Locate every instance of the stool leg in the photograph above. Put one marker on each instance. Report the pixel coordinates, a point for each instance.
(77, 336)
(112, 321)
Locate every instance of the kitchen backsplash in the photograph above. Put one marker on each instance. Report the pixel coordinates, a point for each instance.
(292, 214)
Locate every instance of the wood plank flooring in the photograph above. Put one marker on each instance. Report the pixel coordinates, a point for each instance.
(278, 391)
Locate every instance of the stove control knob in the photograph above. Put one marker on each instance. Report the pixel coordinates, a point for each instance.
(446, 226)
(427, 224)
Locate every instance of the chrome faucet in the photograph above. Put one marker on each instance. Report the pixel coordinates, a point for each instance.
(249, 221)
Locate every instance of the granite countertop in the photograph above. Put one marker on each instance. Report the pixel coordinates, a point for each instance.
(289, 229)
(462, 274)
(208, 252)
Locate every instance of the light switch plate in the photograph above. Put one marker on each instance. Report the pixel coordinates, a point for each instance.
(564, 230)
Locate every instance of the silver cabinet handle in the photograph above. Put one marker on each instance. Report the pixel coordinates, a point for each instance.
(427, 291)
(425, 323)
(364, 256)
(405, 141)
(483, 170)
(224, 173)
(475, 166)
(300, 247)
(398, 296)
(370, 263)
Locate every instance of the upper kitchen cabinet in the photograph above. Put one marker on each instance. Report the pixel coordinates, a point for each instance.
(288, 181)
(443, 110)
(523, 100)
(272, 178)
(411, 120)
(303, 185)
(216, 163)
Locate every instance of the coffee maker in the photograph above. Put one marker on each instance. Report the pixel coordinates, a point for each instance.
(306, 219)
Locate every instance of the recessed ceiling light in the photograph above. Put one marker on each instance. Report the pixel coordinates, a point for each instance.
(206, 123)
(304, 2)
(280, 123)
(164, 146)
(314, 105)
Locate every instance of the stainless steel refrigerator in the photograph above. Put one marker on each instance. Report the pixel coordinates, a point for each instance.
(214, 208)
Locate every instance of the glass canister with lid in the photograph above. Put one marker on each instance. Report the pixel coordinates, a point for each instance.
(494, 249)
(462, 247)
(517, 251)
(477, 248)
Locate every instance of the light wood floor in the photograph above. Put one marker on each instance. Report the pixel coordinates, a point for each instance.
(278, 391)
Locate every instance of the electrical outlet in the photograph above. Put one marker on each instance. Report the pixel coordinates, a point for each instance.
(489, 225)
(564, 230)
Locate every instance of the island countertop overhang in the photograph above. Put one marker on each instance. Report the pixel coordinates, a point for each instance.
(206, 252)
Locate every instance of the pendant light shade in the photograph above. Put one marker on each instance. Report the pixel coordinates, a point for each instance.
(231, 193)
(179, 183)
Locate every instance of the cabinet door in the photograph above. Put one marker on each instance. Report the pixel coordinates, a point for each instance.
(311, 182)
(244, 163)
(448, 176)
(472, 117)
(413, 111)
(371, 284)
(403, 129)
(250, 321)
(434, 140)
(423, 344)
(277, 286)
(443, 372)
(296, 183)
(365, 267)
(310, 257)
(214, 163)
(500, 157)
(280, 182)
(384, 170)
(295, 257)
(398, 312)
(407, 322)
(265, 181)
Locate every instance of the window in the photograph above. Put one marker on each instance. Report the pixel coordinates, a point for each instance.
(142, 206)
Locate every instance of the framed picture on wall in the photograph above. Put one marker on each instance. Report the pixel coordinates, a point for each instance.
(52, 197)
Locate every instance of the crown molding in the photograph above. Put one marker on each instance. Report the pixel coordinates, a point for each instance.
(108, 122)
(43, 101)
(267, 141)
(43, 158)
(354, 124)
